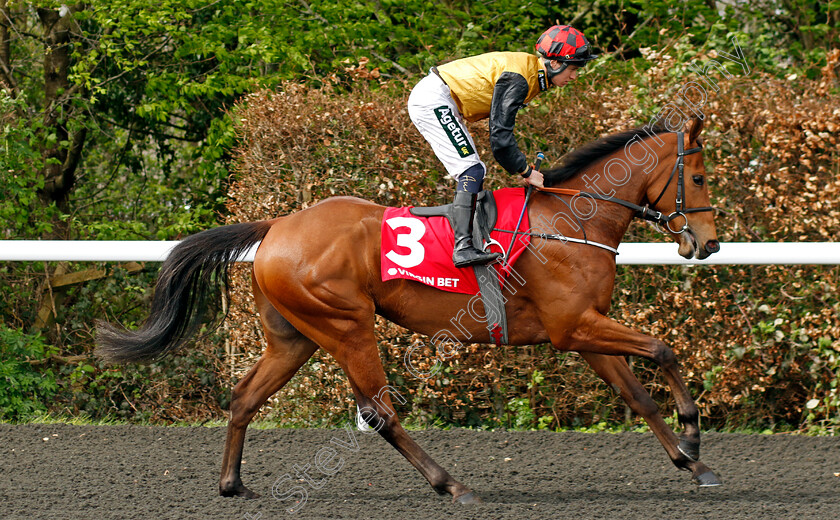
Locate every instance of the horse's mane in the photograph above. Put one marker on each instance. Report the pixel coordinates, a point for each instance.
(577, 160)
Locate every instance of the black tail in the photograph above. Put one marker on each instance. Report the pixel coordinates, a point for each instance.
(190, 280)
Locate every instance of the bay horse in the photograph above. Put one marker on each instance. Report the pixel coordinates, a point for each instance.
(316, 281)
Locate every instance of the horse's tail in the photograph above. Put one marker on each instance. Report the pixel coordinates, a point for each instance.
(190, 280)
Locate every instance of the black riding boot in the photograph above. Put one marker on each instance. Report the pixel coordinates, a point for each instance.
(463, 211)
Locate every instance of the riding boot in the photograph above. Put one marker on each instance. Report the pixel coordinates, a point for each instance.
(463, 212)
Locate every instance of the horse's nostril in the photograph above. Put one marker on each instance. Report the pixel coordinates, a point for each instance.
(712, 246)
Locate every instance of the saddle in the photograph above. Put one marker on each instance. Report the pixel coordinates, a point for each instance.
(484, 221)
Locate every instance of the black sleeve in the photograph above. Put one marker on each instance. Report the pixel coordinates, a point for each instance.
(508, 97)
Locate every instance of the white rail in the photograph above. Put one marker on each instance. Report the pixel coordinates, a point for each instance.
(733, 253)
(736, 253)
(92, 250)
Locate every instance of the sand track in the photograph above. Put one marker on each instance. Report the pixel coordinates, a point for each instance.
(104, 472)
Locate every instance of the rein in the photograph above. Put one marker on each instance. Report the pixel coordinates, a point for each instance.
(645, 212)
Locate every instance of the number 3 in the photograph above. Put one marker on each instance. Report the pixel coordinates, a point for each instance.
(411, 240)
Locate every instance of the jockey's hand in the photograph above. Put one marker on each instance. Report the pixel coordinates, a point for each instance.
(535, 179)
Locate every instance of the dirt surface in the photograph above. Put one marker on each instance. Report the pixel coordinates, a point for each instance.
(134, 472)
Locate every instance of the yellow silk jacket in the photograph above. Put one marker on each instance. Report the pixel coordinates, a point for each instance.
(496, 85)
(473, 80)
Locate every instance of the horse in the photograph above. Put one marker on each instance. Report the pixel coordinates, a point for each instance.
(316, 283)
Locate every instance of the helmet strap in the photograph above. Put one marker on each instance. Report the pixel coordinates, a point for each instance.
(550, 72)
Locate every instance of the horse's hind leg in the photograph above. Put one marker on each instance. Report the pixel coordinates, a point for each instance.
(615, 371)
(364, 369)
(287, 351)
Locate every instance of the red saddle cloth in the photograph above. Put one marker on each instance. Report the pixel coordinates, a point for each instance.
(420, 248)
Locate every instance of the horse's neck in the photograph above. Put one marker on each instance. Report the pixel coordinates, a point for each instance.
(600, 221)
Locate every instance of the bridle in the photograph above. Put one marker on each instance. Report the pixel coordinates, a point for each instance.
(645, 212)
(680, 209)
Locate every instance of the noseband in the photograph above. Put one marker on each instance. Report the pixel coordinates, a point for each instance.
(645, 212)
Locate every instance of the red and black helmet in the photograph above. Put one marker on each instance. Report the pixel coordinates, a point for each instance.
(565, 44)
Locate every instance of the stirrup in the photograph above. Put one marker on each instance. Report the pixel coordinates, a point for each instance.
(493, 242)
(476, 257)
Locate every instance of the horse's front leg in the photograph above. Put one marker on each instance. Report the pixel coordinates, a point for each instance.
(598, 338)
(615, 371)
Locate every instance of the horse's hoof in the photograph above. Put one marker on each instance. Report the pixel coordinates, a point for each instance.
(239, 491)
(467, 498)
(707, 479)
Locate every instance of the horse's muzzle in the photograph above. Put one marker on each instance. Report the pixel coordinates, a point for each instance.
(712, 246)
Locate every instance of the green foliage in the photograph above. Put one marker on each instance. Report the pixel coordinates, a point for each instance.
(25, 389)
(21, 212)
(521, 413)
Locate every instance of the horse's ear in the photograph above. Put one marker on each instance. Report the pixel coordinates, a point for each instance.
(695, 129)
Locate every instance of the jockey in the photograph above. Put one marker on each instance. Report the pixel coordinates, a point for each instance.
(494, 85)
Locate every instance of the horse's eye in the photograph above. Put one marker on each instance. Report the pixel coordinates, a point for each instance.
(698, 180)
